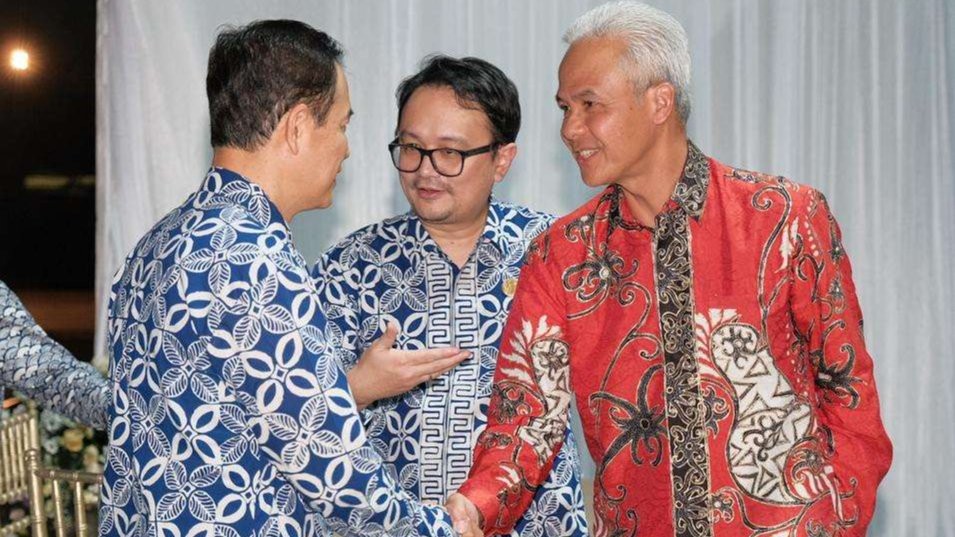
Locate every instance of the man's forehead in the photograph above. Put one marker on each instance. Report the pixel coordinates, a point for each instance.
(410, 132)
(439, 115)
(598, 53)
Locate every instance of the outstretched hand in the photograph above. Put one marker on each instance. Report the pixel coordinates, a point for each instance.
(383, 371)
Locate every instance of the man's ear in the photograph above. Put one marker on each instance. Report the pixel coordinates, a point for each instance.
(663, 102)
(295, 127)
(503, 158)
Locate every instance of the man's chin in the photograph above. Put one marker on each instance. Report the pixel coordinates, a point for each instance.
(431, 214)
(594, 180)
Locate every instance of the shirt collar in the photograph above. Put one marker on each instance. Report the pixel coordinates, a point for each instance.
(690, 191)
(496, 215)
(242, 192)
(688, 196)
(493, 228)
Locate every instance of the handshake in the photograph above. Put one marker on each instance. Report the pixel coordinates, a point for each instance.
(467, 519)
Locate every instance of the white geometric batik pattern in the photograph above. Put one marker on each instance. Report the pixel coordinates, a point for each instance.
(427, 435)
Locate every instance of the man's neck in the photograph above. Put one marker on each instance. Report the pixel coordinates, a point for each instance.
(458, 239)
(258, 168)
(648, 193)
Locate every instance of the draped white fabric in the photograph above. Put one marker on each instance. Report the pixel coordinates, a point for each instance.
(854, 97)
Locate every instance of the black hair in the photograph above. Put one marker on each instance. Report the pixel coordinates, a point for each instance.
(475, 82)
(258, 72)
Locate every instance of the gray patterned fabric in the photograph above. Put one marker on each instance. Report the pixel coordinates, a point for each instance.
(41, 369)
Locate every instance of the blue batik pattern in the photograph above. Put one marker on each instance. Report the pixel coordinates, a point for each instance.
(394, 270)
(232, 416)
(42, 370)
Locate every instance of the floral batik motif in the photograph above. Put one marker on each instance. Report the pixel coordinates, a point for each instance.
(717, 359)
(233, 416)
(394, 270)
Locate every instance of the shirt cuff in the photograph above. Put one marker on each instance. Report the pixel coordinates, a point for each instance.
(486, 501)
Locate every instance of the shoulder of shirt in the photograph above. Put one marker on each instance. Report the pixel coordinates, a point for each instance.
(532, 222)
(558, 225)
(509, 210)
(742, 182)
(213, 207)
(364, 236)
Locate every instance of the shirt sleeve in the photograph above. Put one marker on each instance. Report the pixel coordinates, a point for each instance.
(42, 370)
(828, 321)
(527, 415)
(270, 330)
(339, 294)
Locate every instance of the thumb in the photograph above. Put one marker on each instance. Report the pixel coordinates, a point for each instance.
(387, 340)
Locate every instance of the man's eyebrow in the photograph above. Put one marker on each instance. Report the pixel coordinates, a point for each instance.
(582, 94)
(452, 138)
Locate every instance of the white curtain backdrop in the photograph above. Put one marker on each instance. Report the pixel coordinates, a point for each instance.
(854, 97)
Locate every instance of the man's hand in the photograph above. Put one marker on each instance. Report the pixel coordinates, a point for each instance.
(466, 517)
(383, 371)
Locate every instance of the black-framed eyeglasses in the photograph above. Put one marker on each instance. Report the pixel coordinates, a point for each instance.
(445, 160)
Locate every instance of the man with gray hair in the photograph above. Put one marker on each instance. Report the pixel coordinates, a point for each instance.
(705, 314)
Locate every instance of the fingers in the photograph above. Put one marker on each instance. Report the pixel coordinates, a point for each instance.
(471, 530)
(430, 370)
(388, 338)
(465, 522)
(428, 356)
(474, 531)
(459, 516)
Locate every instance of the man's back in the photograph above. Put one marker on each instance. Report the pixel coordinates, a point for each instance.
(230, 415)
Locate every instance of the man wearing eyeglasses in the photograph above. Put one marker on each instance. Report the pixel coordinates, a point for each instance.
(442, 275)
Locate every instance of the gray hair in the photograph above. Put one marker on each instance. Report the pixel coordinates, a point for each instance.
(657, 47)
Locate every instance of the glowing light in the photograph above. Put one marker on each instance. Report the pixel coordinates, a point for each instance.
(20, 60)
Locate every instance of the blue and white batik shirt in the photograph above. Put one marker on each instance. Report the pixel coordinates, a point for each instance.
(232, 415)
(394, 270)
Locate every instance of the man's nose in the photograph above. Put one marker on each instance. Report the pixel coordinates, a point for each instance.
(427, 168)
(571, 127)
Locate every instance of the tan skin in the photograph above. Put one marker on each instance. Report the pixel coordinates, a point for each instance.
(617, 136)
(452, 209)
(297, 165)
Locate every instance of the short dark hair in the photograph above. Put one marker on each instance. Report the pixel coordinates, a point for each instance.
(474, 82)
(258, 72)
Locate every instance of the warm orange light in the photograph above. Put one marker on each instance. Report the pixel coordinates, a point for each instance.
(20, 59)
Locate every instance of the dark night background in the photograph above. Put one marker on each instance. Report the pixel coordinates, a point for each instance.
(48, 128)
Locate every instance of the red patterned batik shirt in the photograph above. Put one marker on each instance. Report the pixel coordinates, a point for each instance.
(717, 360)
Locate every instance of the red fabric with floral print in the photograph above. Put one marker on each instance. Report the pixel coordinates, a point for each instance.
(717, 361)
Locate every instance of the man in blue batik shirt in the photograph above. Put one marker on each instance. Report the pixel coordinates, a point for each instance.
(442, 275)
(232, 416)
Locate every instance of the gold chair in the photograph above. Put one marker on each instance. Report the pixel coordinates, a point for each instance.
(22, 475)
(15, 435)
